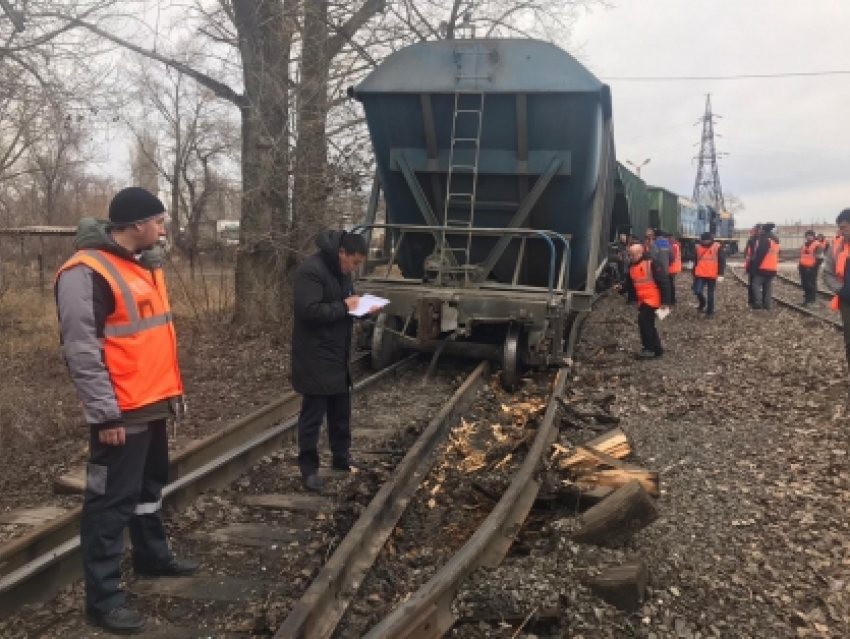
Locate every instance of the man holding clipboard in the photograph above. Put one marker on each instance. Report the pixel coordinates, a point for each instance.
(325, 306)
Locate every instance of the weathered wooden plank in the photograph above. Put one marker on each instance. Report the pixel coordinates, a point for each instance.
(31, 516)
(290, 501)
(206, 588)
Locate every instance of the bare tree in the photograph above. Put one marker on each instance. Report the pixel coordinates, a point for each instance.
(284, 64)
(143, 167)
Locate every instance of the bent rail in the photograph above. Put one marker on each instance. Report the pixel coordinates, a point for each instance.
(427, 613)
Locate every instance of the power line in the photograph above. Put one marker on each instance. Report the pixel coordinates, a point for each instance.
(751, 76)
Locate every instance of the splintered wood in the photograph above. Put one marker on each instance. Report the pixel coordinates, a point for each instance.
(613, 443)
(597, 463)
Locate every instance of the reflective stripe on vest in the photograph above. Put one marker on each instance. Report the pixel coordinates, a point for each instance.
(139, 346)
(840, 254)
(676, 263)
(708, 261)
(807, 254)
(646, 290)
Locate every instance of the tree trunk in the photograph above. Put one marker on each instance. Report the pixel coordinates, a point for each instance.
(265, 39)
(311, 155)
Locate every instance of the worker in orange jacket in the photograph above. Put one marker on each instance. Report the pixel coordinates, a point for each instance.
(835, 274)
(811, 256)
(649, 285)
(675, 266)
(709, 266)
(119, 343)
(763, 267)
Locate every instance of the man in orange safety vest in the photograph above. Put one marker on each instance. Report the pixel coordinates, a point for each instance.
(811, 256)
(120, 346)
(834, 274)
(649, 285)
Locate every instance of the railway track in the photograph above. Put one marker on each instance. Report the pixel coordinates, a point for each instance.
(36, 565)
(823, 294)
(784, 287)
(274, 559)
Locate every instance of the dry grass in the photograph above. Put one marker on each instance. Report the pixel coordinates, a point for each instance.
(28, 323)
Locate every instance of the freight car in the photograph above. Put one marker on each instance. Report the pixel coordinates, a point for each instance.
(687, 221)
(495, 159)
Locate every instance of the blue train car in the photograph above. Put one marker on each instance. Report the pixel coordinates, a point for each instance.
(497, 167)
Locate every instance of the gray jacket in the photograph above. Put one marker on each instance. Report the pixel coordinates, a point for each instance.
(833, 282)
(84, 300)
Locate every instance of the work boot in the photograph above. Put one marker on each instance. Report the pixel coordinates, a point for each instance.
(313, 483)
(347, 464)
(119, 621)
(175, 568)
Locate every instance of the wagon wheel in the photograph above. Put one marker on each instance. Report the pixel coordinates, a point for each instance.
(512, 357)
(385, 342)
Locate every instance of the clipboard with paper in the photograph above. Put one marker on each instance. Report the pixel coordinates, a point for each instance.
(366, 303)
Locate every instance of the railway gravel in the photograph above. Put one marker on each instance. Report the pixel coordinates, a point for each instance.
(745, 418)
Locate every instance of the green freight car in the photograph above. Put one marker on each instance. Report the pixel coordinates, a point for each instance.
(630, 213)
(663, 209)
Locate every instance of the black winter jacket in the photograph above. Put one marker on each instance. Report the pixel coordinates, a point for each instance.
(321, 339)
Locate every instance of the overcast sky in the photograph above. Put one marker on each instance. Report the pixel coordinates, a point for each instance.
(788, 138)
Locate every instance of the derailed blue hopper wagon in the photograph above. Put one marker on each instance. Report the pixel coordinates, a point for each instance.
(496, 161)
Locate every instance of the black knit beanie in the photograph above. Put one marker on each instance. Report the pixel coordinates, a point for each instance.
(134, 204)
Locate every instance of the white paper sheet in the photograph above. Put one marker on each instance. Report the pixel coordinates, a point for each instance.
(367, 302)
(661, 313)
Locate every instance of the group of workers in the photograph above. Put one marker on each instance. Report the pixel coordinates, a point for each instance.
(649, 279)
(649, 272)
(119, 342)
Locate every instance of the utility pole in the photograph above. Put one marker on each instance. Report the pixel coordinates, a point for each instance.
(638, 167)
(707, 189)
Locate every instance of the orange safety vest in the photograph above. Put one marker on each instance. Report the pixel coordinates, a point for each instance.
(140, 345)
(646, 289)
(708, 261)
(840, 253)
(771, 260)
(807, 254)
(676, 255)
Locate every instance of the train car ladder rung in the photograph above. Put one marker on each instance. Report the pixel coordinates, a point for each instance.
(466, 195)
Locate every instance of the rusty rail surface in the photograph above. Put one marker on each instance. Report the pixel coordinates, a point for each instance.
(320, 609)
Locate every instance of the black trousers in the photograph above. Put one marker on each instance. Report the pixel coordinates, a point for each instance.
(809, 280)
(648, 334)
(751, 295)
(313, 411)
(845, 319)
(123, 486)
(672, 278)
